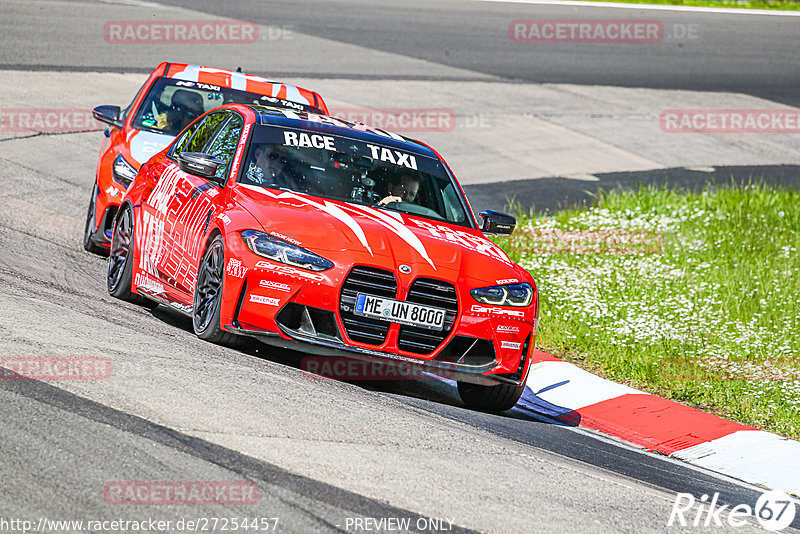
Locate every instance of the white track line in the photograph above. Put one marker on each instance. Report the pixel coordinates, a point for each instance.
(653, 7)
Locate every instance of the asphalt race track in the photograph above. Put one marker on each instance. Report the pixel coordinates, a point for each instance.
(717, 52)
(328, 455)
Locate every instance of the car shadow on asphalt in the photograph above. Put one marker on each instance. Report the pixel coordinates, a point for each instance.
(436, 393)
(549, 195)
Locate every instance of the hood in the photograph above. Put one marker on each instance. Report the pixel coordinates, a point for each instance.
(346, 234)
(145, 145)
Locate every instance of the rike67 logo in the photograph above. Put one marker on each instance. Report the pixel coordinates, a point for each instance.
(774, 510)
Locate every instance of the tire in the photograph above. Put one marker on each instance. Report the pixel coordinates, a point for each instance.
(120, 261)
(497, 398)
(88, 244)
(208, 297)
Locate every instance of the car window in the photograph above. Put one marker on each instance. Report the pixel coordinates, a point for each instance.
(452, 206)
(181, 143)
(396, 177)
(171, 104)
(224, 144)
(204, 132)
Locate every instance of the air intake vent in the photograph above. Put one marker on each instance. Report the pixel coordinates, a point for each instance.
(468, 351)
(429, 292)
(526, 349)
(371, 281)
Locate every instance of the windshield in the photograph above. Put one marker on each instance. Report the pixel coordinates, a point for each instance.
(351, 170)
(172, 104)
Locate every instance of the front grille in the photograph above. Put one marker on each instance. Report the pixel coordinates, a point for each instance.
(371, 281)
(429, 292)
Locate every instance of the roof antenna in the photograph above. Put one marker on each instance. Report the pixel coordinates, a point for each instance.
(238, 69)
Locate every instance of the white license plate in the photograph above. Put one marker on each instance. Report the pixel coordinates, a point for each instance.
(396, 311)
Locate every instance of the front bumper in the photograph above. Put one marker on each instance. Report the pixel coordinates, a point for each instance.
(303, 310)
(407, 366)
(102, 233)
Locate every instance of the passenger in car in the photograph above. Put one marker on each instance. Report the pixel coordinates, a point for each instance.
(185, 106)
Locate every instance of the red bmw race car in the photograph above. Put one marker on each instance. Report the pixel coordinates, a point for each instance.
(174, 95)
(312, 233)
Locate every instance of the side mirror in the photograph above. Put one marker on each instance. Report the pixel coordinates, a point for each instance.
(496, 223)
(108, 115)
(201, 165)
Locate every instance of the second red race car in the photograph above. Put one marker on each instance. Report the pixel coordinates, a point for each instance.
(309, 232)
(174, 95)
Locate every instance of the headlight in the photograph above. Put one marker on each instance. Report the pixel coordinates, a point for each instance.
(124, 172)
(279, 250)
(517, 295)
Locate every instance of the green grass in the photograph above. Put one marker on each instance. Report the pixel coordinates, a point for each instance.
(712, 320)
(785, 5)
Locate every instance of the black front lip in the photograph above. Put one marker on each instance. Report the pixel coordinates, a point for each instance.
(334, 347)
